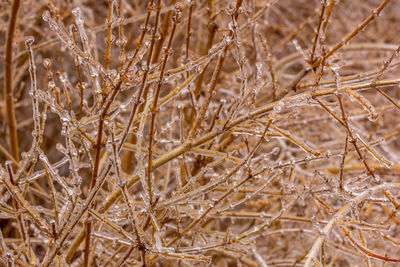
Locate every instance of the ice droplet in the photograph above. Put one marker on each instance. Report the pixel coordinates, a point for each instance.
(372, 116)
(47, 63)
(275, 151)
(29, 41)
(46, 16)
(76, 11)
(63, 77)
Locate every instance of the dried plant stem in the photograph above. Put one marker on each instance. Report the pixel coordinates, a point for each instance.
(212, 134)
(284, 62)
(364, 249)
(9, 156)
(128, 157)
(8, 85)
(43, 225)
(384, 67)
(212, 28)
(328, 13)
(163, 33)
(339, 45)
(154, 108)
(270, 64)
(318, 31)
(145, 25)
(294, 140)
(98, 147)
(9, 102)
(375, 13)
(226, 194)
(202, 112)
(144, 78)
(99, 142)
(352, 139)
(118, 229)
(107, 56)
(122, 37)
(52, 251)
(340, 214)
(78, 66)
(250, 123)
(188, 31)
(342, 164)
(54, 199)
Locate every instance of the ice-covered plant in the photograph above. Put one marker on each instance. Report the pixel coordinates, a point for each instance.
(199, 132)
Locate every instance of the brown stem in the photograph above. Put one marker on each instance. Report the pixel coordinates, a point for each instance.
(339, 45)
(188, 31)
(154, 108)
(144, 79)
(212, 28)
(204, 107)
(316, 37)
(107, 56)
(163, 33)
(129, 156)
(8, 86)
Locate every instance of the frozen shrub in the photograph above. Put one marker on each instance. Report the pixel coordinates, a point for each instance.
(199, 133)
